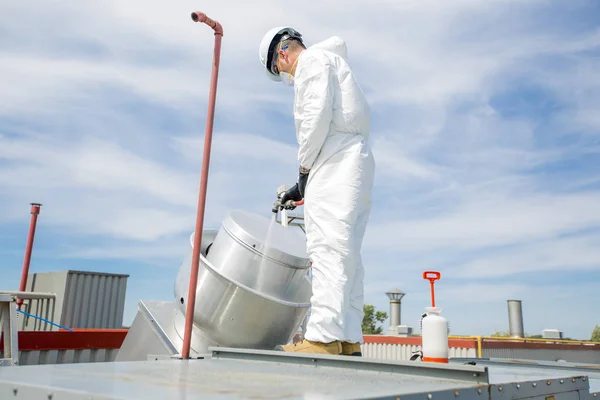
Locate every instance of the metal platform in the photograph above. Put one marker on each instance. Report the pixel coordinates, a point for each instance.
(235, 374)
(156, 330)
(511, 370)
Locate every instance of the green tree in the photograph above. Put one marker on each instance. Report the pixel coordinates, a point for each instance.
(370, 320)
(527, 336)
(595, 334)
(507, 334)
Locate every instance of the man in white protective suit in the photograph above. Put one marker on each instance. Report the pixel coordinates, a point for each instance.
(336, 170)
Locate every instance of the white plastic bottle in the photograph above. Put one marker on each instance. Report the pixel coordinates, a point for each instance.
(434, 330)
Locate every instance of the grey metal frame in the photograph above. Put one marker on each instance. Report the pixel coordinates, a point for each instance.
(226, 373)
(40, 304)
(10, 332)
(464, 373)
(9, 326)
(285, 218)
(579, 374)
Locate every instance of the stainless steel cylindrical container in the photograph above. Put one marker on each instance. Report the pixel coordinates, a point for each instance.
(232, 314)
(260, 253)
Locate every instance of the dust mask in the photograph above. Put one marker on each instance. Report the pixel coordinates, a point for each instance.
(287, 78)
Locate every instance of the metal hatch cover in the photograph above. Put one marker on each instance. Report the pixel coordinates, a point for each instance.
(226, 373)
(267, 237)
(233, 374)
(558, 374)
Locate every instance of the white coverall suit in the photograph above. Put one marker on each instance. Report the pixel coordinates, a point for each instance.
(332, 126)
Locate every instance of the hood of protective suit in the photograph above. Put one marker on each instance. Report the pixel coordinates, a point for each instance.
(335, 44)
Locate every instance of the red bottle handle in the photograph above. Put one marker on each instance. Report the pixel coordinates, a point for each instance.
(436, 276)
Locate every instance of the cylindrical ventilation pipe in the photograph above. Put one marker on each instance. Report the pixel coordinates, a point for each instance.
(394, 313)
(395, 297)
(515, 319)
(35, 211)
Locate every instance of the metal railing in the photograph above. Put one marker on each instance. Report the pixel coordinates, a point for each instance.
(39, 304)
(541, 340)
(8, 330)
(481, 339)
(34, 303)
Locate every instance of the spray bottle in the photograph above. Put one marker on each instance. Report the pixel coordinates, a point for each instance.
(434, 328)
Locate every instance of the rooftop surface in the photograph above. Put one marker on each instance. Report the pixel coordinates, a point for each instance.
(235, 373)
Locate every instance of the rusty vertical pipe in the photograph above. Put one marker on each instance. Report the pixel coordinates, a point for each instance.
(189, 314)
(35, 211)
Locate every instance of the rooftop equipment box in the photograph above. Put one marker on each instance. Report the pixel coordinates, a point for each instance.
(84, 299)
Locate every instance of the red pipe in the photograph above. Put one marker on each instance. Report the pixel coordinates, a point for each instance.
(189, 315)
(35, 211)
(201, 17)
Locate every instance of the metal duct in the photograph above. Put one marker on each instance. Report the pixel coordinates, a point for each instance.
(395, 297)
(394, 313)
(515, 319)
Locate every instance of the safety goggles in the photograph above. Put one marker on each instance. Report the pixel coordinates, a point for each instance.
(274, 68)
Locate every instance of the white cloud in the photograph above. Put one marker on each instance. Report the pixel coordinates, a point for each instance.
(239, 146)
(104, 124)
(493, 220)
(163, 254)
(90, 163)
(392, 162)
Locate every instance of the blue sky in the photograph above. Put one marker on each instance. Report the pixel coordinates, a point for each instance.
(486, 133)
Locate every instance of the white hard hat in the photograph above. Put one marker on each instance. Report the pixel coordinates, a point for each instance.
(268, 43)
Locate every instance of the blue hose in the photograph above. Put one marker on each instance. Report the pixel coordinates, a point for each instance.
(45, 320)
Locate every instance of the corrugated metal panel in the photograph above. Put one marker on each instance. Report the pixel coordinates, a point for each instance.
(402, 352)
(462, 352)
(35, 357)
(44, 308)
(49, 282)
(94, 300)
(84, 299)
(577, 356)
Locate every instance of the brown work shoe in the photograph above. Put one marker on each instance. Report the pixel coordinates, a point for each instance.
(306, 346)
(351, 349)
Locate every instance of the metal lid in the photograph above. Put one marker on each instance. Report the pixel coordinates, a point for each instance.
(267, 237)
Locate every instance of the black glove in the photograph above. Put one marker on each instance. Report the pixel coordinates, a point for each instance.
(302, 179)
(296, 192)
